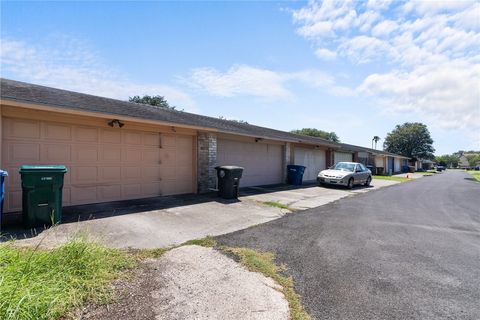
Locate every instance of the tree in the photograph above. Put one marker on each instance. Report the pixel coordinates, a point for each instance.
(376, 139)
(473, 159)
(233, 120)
(447, 160)
(411, 139)
(156, 101)
(331, 136)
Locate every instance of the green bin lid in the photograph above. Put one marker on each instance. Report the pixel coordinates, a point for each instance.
(49, 168)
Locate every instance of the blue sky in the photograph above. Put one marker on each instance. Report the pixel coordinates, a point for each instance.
(357, 68)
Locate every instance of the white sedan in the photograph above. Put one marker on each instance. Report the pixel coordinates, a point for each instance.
(346, 174)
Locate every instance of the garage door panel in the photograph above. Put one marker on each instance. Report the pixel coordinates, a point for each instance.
(167, 157)
(183, 185)
(168, 140)
(56, 153)
(169, 187)
(343, 157)
(67, 178)
(66, 194)
(14, 200)
(110, 192)
(82, 195)
(22, 129)
(14, 179)
(111, 136)
(57, 131)
(26, 153)
(263, 163)
(151, 156)
(110, 173)
(184, 172)
(131, 173)
(81, 174)
(85, 134)
(183, 159)
(151, 139)
(132, 155)
(131, 137)
(130, 191)
(313, 160)
(84, 153)
(151, 173)
(152, 189)
(167, 172)
(103, 164)
(110, 153)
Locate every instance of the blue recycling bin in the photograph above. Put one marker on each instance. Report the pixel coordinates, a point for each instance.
(3, 174)
(295, 174)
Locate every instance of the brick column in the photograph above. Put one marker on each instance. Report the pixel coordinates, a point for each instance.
(206, 161)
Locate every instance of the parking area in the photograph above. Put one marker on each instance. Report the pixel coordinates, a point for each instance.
(167, 221)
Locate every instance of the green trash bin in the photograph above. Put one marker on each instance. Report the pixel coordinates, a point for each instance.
(42, 194)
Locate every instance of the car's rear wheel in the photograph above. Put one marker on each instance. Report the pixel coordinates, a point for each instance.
(350, 183)
(369, 180)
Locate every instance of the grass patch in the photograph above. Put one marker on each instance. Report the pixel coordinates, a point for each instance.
(391, 178)
(475, 174)
(150, 253)
(41, 284)
(277, 204)
(204, 242)
(263, 262)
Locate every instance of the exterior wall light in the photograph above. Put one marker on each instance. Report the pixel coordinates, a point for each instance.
(115, 123)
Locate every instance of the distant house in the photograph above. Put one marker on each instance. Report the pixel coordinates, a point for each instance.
(427, 164)
(463, 162)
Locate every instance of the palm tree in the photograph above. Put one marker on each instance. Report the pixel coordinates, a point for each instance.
(376, 139)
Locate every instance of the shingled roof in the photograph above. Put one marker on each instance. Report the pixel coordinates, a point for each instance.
(63, 99)
(353, 148)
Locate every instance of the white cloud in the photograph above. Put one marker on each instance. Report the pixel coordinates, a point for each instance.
(429, 51)
(240, 80)
(244, 80)
(325, 54)
(384, 28)
(449, 94)
(71, 65)
(363, 49)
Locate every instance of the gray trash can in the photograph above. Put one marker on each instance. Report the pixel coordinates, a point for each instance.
(228, 181)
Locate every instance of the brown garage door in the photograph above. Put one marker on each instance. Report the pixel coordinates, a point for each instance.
(313, 160)
(262, 162)
(105, 164)
(342, 157)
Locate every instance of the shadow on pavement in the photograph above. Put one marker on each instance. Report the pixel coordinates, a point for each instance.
(12, 227)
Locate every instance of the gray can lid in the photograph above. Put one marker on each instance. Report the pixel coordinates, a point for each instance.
(49, 168)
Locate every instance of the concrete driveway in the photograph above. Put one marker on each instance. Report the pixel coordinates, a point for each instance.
(309, 195)
(168, 221)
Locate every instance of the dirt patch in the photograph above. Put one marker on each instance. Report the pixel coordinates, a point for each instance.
(133, 298)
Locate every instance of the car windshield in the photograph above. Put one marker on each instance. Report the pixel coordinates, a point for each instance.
(345, 166)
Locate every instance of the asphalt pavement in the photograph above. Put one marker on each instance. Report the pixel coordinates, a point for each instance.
(410, 251)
